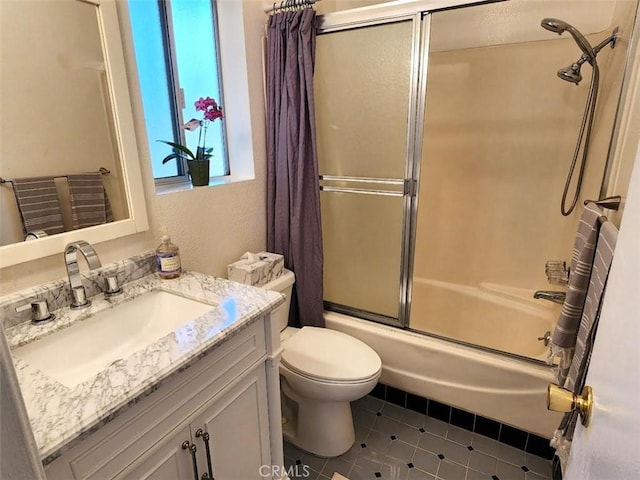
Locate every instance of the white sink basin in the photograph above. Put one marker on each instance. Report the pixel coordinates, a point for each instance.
(87, 347)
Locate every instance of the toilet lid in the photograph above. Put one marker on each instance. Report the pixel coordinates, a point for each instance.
(330, 355)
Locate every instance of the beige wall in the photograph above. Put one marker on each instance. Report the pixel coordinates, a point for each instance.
(212, 225)
(499, 136)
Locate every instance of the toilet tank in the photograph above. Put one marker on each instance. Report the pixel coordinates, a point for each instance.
(283, 284)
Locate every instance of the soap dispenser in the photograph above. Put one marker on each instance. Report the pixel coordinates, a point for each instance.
(168, 258)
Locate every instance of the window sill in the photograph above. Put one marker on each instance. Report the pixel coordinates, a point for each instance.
(184, 185)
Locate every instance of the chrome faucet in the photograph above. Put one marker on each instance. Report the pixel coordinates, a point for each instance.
(78, 293)
(555, 297)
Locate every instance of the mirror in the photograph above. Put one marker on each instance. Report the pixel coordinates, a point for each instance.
(66, 110)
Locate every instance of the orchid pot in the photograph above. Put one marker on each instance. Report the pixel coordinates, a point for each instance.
(198, 164)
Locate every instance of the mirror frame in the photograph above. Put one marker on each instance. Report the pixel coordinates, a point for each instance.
(17, 253)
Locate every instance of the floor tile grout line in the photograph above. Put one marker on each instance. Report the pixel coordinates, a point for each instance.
(461, 428)
(387, 460)
(386, 398)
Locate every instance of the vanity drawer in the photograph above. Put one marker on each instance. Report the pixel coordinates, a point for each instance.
(105, 453)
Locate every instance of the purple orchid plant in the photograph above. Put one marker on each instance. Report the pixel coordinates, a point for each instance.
(211, 111)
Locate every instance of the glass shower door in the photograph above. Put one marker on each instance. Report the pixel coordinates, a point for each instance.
(362, 93)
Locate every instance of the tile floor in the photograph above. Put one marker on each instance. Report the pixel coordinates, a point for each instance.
(399, 444)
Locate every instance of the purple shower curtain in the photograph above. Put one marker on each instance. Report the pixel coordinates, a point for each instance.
(293, 197)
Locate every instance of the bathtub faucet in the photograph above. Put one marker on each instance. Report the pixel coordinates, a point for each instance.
(555, 297)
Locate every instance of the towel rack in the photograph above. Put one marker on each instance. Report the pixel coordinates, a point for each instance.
(101, 170)
(610, 203)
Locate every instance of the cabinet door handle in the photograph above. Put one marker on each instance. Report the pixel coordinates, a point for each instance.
(205, 438)
(187, 445)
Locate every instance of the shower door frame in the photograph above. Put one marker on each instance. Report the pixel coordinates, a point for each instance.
(421, 10)
(409, 182)
(419, 13)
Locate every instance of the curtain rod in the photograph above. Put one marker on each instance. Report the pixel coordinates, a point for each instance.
(289, 4)
(101, 170)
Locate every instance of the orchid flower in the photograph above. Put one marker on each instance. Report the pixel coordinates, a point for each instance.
(211, 111)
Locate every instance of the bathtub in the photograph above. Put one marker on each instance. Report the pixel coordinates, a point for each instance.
(506, 389)
(493, 316)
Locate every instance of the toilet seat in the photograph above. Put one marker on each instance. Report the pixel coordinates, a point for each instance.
(329, 356)
(328, 381)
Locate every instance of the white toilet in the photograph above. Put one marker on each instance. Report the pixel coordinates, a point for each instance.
(321, 372)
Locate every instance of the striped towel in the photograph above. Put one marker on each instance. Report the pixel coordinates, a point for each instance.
(564, 336)
(89, 203)
(38, 204)
(586, 334)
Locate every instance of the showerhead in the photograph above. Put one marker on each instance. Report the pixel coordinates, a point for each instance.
(589, 53)
(559, 27)
(554, 25)
(571, 73)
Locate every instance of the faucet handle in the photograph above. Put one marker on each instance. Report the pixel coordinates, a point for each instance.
(111, 287)
(557, 272)
(546, 338)
(79, 298)
(39, 311)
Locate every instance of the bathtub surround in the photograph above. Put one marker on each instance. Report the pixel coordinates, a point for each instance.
(563, 340)
(585, 335)
(293, 197)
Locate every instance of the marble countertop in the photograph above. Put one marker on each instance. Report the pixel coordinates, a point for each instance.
(60, 416)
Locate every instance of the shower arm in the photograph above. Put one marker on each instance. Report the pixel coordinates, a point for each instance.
(585, 57)
(611, 39)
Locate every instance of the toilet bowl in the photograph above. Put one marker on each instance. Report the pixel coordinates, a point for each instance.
(321, 372)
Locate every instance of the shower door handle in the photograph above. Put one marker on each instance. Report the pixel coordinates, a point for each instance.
(392, 187)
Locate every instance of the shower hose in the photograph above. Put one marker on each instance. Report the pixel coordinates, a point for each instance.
(585, 127)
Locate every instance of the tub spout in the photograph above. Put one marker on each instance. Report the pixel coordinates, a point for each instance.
(555, 297)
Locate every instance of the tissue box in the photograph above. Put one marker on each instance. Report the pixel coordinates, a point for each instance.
(268, 268)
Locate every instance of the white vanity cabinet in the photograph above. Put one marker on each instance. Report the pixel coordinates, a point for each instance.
(223, 394)
(237, 424)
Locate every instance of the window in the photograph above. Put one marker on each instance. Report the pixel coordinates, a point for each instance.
(177, 53)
